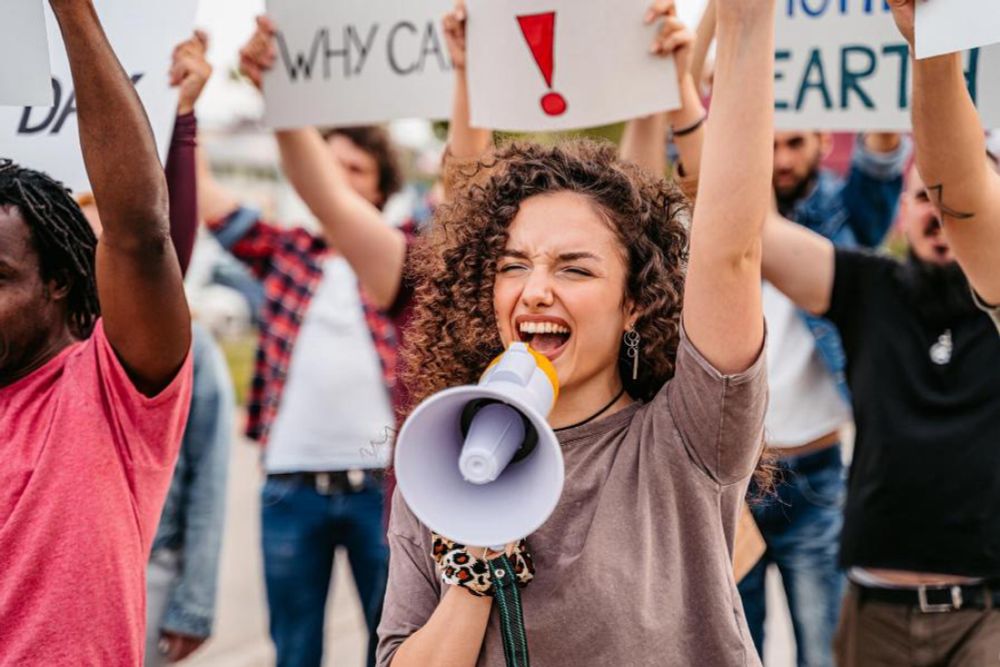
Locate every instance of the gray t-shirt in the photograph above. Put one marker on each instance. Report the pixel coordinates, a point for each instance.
(634, 567)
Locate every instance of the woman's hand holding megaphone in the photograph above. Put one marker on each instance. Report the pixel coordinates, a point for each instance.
(468, 567)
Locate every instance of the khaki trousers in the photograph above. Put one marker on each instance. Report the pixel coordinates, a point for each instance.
(881, 634)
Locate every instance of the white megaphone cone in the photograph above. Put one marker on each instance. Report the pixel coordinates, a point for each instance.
(480, 464)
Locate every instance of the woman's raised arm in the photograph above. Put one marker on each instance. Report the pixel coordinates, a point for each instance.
(722, 299)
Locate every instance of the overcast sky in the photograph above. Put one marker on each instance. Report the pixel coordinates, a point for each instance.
(230, 23)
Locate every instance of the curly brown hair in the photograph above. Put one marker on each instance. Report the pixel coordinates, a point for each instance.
(454, 333)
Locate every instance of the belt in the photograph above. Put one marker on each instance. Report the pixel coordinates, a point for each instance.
(328, 483)
(935, 599)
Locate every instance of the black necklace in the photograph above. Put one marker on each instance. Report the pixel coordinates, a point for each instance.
(595, 415)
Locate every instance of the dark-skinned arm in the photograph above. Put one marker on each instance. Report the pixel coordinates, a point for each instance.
(145, 313)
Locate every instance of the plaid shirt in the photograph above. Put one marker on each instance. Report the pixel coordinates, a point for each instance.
(288, 262)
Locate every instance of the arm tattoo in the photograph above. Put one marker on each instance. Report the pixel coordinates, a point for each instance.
(946, 211)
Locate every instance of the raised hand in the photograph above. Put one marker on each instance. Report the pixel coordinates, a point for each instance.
(259, 54)
(145, 314)
(454, 34)
(190, 71)
(464, 141)
(674, 38)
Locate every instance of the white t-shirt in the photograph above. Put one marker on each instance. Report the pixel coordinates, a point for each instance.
(335, 412)
(805, 403)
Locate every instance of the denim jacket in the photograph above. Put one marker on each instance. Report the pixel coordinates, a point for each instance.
(192, 519)
(854, 211)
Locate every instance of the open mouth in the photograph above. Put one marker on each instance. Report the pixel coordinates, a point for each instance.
(932, 228)
(547, 337)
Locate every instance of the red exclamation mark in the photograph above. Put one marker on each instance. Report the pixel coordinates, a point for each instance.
(539, 32)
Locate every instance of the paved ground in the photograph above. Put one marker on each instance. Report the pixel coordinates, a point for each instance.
(241, 628)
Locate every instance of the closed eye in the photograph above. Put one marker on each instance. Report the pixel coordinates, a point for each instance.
(575, 270)
(510, 268)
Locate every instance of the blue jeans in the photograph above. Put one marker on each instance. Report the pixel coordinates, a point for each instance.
(190, 530)
(300, 531)
(802, 529)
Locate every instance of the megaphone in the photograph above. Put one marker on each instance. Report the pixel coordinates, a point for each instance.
(479, 464)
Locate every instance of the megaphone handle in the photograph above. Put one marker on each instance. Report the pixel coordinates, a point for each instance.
(508, 600)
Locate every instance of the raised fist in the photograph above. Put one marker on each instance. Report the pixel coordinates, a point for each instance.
(259, 54)
(190, 70)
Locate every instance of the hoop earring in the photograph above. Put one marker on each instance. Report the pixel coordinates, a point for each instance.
(632, 340)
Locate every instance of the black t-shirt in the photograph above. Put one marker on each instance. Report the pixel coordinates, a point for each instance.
(924, 490)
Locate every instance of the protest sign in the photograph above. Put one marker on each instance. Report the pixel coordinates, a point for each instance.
(356, 62)
(24, 54)
(947, 26)
(143, 34)
(842, 65)
(561, 64)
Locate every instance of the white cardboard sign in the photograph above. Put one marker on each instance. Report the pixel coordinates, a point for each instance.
(24, 54)
(143, 34)
(947, 26)
(538, 65)
(356, 62)
(842, 65)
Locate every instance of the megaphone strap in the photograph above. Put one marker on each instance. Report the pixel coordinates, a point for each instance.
(501, 577)
(508, 601)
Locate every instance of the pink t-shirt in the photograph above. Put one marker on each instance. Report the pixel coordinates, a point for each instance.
(85, 464)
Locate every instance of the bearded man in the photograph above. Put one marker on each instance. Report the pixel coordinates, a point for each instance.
(921, 537)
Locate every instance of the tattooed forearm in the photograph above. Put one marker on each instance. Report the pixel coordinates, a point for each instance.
(937, 192)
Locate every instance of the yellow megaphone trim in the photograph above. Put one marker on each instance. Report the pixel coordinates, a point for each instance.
(544, 364)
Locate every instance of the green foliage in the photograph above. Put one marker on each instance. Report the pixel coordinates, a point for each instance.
(612, 133)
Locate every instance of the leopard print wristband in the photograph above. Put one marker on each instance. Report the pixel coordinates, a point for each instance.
(459, 567)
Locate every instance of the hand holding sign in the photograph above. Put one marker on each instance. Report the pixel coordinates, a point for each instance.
(844, 65)
(674, 39)
(143, 34)
(454, 35)
(563, 64)
(259, 55)
(190, 71)
(356, 62)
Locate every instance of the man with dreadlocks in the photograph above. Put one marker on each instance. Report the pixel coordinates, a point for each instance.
(95, 378)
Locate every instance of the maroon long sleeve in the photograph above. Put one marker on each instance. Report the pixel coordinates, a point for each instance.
(182, 185)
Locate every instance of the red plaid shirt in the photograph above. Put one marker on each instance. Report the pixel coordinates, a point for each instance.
(288, 262)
